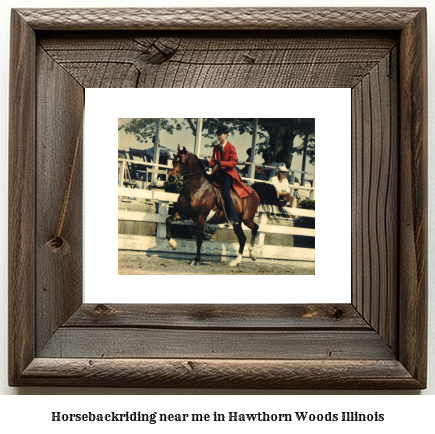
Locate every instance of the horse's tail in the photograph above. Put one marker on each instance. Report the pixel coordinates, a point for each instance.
(268, 195)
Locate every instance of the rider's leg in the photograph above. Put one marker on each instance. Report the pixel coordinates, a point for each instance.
(226, 182)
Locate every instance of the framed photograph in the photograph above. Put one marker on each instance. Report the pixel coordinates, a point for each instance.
(284, 239)
(57, 337)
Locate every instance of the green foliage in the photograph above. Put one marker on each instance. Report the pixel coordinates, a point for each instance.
(311, 147)
(307, 204)
(241, 126)
(173, 186)
(144, 129)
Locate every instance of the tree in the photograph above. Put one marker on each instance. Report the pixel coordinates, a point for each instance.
(282, 133)
(311, 145)
(144, 129)
(275, 135)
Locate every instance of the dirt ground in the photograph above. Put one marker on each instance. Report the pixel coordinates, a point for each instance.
(140, 263)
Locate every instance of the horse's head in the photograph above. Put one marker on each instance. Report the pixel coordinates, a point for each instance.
(180, 164)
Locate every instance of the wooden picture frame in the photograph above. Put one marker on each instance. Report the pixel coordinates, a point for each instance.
(377, 341)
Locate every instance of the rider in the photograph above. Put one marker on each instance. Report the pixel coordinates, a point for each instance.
(225, 156)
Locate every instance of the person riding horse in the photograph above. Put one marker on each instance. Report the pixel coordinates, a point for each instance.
(225, 157)
(198, 199)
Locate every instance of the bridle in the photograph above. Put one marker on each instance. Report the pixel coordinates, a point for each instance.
(192, 175)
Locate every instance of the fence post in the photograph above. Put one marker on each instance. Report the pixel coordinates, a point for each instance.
(198, 136)
(263, 221)
(313, 192)
(251, 170)
(156, 156)
(304, 159)
(292, 181)
(163, 211)
(121, 175)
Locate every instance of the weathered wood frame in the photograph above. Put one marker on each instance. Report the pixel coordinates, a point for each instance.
(377, 341)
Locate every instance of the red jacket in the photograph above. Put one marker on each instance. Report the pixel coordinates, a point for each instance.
(228, 163)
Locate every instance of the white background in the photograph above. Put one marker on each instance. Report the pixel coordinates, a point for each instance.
(332, 282)
(406, 412)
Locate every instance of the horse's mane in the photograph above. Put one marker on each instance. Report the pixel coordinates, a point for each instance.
(200, 164)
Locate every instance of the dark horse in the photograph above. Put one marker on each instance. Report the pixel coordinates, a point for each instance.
(198, 201)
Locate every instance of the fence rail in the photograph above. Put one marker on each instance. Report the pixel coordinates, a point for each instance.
(124, 162)
(159, 244)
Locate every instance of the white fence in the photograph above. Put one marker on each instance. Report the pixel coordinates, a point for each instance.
(159, 243)
(306, 191)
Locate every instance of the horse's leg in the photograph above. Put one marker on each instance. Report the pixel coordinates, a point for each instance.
(248, 220)
(169, 220)
(254, 229)
(242, 240)
(199, 237)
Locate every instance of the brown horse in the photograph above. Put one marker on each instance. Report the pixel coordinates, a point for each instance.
(198, 201)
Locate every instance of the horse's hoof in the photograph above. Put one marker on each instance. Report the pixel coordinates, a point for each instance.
(194, 262)
(253, 254)
(236, 261)
(172, 243)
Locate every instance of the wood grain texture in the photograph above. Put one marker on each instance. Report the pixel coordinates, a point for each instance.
(231, 60)
(378, 342)
(212, 19)
(220, 317)
(60, 106)
(229, 374)
(95, 342)
(393, 206)
(357, 171)
(375, 198)
(21, 197)
(413, 188)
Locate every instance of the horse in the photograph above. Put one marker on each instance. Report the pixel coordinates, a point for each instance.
(198, 201)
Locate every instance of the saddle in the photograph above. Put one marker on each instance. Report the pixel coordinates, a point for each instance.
(219, 199)
(220, 203)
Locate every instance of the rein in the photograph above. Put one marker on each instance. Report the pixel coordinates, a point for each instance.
(194, 175)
